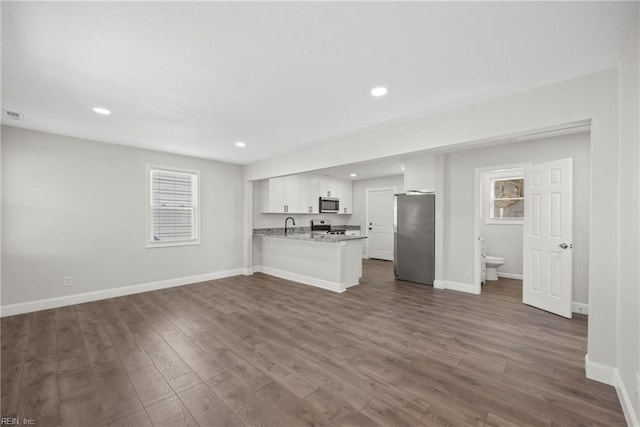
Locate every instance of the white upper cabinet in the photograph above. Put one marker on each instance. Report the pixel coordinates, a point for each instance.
(328, 187)
(300, 194)
(310, 193)
(282, 194)
(420, 174)
(273, 195)
(293, 191)
(344, 192)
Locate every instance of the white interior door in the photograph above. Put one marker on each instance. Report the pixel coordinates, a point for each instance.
(380, 224)
(547, 262)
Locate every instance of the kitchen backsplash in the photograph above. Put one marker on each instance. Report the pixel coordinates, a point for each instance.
(261, 220)
(302, 229)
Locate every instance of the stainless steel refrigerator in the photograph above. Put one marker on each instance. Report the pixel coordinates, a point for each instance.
(414, 232)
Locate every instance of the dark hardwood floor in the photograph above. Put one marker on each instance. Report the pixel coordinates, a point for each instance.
(264, 351)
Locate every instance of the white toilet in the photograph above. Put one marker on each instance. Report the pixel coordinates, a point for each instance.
(492, 263)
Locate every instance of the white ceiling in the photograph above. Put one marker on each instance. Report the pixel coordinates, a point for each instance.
(193, 78)
(387, 166)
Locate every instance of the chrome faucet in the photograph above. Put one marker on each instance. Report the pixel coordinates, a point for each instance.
(285, 223)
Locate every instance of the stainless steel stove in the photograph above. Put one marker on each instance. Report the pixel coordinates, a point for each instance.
(323, 226)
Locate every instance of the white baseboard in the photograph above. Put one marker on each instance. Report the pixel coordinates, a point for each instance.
(599, 372)
(579, 307)
(439, 284)
(510, 275)
(625, 401)
(307, 280)
(247, 271)
(45, 304)
(455, 286)
(611, 376)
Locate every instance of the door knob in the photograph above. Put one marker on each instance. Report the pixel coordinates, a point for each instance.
(563, 245)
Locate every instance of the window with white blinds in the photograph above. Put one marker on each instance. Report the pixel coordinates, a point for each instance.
(173, 207)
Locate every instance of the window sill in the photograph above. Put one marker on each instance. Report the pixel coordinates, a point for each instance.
(518, 221)
(151, 245)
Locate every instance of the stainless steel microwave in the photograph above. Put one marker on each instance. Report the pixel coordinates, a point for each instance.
(329, 205)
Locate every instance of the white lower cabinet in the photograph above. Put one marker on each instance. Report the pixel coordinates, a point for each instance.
(334, 266)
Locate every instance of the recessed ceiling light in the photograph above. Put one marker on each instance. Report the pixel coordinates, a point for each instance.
(379, 91)
(100, 110)
(240, 144)
(353, 175)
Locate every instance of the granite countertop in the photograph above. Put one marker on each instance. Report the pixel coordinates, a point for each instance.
(298, 230)
(325, 238)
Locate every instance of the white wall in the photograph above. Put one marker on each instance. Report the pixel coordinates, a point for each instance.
(360, 193)
(1, 220)
(506, 240)
(360, 188)
(629, 231)
(584, 98)
(74, 207)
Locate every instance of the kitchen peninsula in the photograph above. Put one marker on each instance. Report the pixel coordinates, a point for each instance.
(332, 262)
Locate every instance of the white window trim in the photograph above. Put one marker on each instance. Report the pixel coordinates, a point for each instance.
(149, 231)
(489, 177)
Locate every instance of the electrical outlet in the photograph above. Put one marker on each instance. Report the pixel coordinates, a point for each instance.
(68, 281)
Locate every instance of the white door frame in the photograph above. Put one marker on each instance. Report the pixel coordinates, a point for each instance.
(366, 215)
(478, 204)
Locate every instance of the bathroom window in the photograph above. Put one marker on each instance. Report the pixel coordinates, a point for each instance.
(505, 204)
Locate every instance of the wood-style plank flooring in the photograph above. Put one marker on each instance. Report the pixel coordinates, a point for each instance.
(264, 351)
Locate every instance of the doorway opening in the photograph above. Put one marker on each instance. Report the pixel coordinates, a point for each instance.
(525, 212)
(501, 222)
